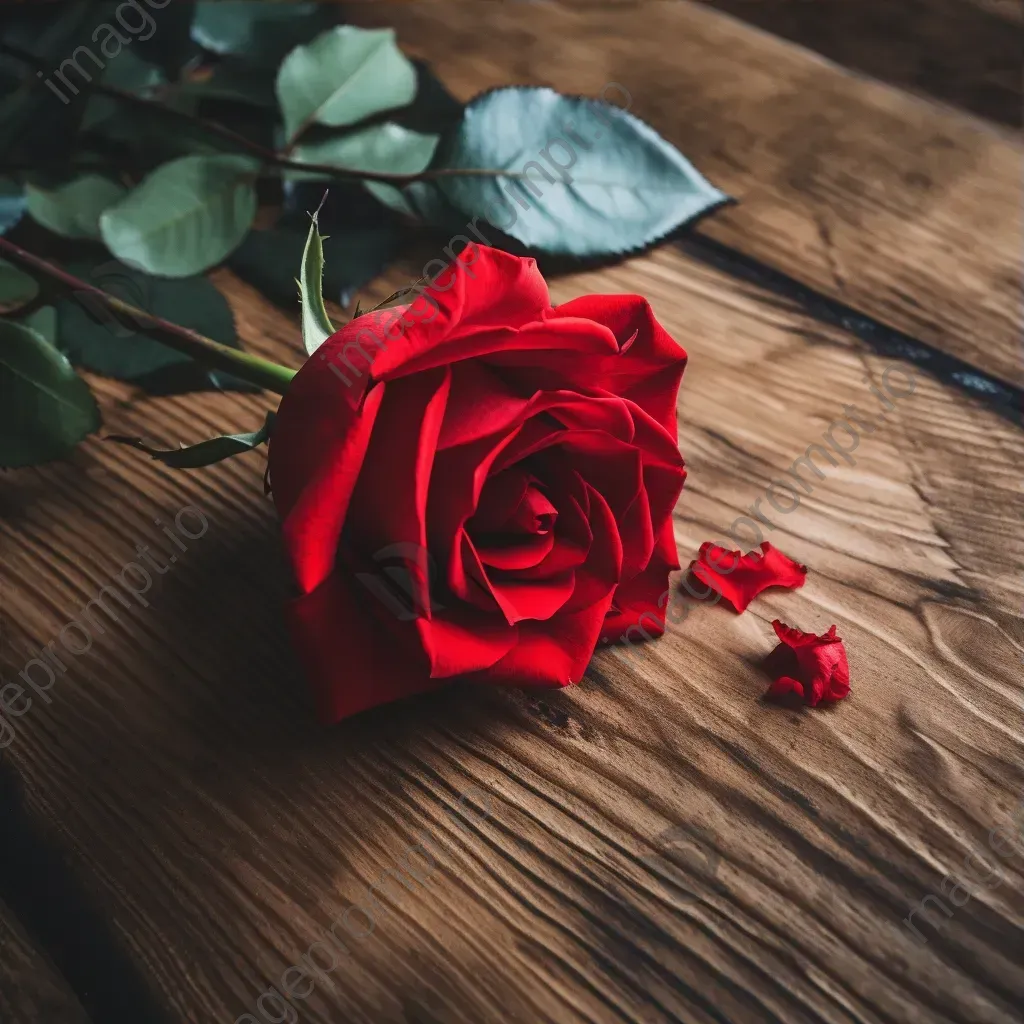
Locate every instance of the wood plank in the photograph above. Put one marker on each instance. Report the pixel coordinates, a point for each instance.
(224, 832)
(907, 211)
(31, 990)
(961, 52)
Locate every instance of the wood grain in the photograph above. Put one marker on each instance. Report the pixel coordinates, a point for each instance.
(31, 990)
(904, 210)
(961, 52)
(223, 832)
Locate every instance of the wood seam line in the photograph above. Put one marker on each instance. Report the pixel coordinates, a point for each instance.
(996, 394)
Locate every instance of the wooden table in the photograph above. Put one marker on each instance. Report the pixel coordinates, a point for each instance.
(657, 843)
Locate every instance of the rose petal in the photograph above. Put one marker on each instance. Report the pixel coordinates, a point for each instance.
(814, 666)
(402, 447)
(314, 466)
(501, 496)
(602, 571)
(644, 363)
(472, 295)
(375, 668)
(480, 405)
(516, 599)
(461, 639)
(552, 653)
(527, 552)
(640, 603)
(740, 578)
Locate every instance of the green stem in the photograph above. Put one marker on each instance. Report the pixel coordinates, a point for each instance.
(283, 159)
(205, 351)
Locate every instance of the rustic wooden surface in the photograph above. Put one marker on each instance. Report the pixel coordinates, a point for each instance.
(216, 831)
(31, 991)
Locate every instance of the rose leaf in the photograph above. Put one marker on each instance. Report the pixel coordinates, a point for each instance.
(205, 453)
(12, 204)
(341, 77)
(73, 209)
(185, 216)
(47, 408)
(384, 147)
(44, 322)
(260, 32)
(94, 338)
(593, 180)
(17, 288)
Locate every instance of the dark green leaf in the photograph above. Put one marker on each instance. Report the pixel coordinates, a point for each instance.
(52, 33)
(234, 81)
(316, 324)
(47, 408)
(73, 210)
(44, 322)
(171, 45)
(95, 338)
(261, 32)
(205, 453)
(435, 110)
(17, 288)
(186, 216)
(352, 256)
(601, 181)
(38, 123)
(12, 204)
(150, 137)
(130, 73)
(345, 75)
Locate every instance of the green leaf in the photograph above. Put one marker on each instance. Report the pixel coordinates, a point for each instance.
(96, 339)
(39, 121)
(171, 45)
(260, 32)
(352, 256)
(422, 200)
(130, 73)
(186, 216)
(44, 322)
(47, 408)
(384, 147)
(205, 453)
(73, 210)
(316, 324)
(343, 76)
(12, 204)
(151, 138)
(234, 81)
(601, 181)
(17, 288)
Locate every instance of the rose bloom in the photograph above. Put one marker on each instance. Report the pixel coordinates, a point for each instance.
(477, 485)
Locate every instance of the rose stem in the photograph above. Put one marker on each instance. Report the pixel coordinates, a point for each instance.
(261, 372)
(277, 159)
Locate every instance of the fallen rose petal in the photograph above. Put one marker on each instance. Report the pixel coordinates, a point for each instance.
(813, 666)
(740, 578)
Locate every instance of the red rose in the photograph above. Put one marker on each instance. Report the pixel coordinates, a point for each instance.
(477, 484)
